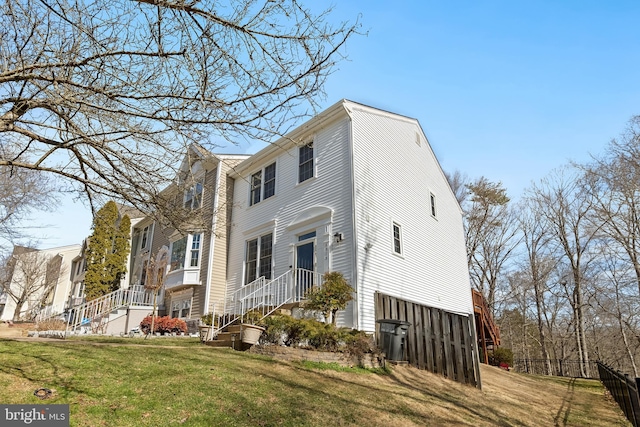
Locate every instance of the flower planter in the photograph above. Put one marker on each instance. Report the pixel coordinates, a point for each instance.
(251, 333)
(204, 332)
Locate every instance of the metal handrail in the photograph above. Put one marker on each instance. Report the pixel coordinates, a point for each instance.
(92, 312)
(264, 296)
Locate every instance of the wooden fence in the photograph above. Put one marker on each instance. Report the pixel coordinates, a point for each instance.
(559, 368)
(439, 341)
(624, 389)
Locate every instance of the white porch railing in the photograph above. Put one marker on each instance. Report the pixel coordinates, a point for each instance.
(264, 297)
(96, 312)
(58, 310)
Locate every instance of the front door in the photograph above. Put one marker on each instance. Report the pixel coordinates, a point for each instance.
(305, 264)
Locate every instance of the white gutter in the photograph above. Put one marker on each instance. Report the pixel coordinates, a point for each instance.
(214, 221)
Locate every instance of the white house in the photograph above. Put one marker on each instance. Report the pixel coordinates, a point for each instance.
(356, 190)
(41, 279)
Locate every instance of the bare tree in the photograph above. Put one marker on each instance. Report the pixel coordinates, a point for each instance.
(539, 266)
(614, 183)
(565, 206)
(29, 278)
(491, 235)
(458, 183)
(107, 94)
(21, 192)
(617, 309)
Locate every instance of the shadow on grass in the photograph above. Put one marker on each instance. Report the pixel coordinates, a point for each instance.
(565, 406)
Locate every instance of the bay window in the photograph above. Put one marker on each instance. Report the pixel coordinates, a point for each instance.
(185, 252)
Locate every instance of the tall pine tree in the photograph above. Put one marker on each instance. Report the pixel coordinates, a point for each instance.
(107, 251)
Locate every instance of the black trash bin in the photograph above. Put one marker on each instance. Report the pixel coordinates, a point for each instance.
(393, 334)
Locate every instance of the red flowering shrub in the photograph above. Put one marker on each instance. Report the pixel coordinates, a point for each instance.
(165, 325)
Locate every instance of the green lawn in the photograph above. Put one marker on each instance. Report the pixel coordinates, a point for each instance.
(179, 382)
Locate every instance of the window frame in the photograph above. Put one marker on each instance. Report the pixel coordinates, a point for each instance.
(192, 245)
(433, 205)
(397, 239)
(192, 198)
(259, 182)
(260, 264)
(255, 188)
(144, 237)
(304, 160)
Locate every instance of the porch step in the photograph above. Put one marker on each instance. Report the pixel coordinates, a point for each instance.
(290, 306)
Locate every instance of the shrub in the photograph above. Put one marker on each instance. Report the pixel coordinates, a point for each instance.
(359, 343)
(207, 319)
(163, 325)
(501, 355)
(322, 336)
(252, 317)
(51, 325)
(275, 329)
(334, 294)
(286, 330)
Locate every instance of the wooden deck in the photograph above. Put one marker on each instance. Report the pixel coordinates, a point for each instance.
(486, 329)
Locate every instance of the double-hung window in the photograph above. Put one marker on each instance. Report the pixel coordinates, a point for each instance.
(258, 258)
(185, 252)
(305, 163)
(263, 184)
(145, 238)
(193, 196)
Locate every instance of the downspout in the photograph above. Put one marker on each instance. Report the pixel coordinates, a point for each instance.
(214, 221)
(354, 245)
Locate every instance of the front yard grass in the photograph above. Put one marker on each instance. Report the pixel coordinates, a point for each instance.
(112, 384)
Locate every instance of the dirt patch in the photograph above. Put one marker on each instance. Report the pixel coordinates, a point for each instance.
(15, 330)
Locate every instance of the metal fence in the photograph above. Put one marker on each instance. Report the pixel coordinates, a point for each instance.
(559, 367)
(624, 390)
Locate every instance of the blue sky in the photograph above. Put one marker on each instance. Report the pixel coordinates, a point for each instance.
(508, 90)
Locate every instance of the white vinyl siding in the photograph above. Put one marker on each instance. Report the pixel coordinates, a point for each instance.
(394, 179)
(329, 190)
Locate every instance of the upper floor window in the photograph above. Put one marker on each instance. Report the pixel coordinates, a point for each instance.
(305, 164)
(188, 245)
(397, 239)
(193, 196)
(432, 202)
(263, 189)
(145, 238)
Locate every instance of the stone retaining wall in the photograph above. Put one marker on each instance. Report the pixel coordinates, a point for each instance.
(299, 354)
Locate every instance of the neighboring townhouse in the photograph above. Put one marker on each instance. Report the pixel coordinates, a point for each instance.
(356, 190)
(41, 279)
(197, 255)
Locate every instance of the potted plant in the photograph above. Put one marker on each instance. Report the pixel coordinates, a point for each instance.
(249, 330)
(205, 327)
